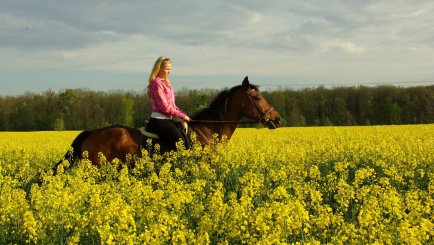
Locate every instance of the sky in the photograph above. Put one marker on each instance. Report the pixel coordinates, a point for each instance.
(112, 45)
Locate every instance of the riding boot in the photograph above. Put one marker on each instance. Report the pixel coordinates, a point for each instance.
(186, 139)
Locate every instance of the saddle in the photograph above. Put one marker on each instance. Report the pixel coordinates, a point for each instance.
(148, 134)
(145, 135)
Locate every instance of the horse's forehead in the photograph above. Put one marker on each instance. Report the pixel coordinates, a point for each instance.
(253, 89)
(249, 88)
(243, 89)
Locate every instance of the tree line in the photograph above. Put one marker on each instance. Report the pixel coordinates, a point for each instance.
(78, 109)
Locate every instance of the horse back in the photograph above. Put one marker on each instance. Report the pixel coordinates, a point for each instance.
(116, 141)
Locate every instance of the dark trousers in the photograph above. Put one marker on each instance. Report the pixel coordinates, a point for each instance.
(168, 132)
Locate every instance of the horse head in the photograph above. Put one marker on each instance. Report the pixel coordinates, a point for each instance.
(255, 107)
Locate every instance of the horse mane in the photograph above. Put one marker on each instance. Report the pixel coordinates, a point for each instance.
(217, 107)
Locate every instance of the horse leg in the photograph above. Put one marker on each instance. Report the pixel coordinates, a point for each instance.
(75, 153)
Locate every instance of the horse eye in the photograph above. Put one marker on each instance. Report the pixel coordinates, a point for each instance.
(257, 97)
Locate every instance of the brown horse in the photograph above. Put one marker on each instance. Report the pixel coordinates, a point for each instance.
(221, 118)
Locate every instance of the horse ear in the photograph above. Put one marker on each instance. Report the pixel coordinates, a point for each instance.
(246, 82)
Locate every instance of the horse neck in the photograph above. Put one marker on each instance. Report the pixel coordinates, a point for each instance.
(223, 128)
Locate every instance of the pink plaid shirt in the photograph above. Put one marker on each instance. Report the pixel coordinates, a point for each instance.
(163, 99)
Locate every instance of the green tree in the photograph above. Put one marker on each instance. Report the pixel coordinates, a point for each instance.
(127, 111)
(59, 124)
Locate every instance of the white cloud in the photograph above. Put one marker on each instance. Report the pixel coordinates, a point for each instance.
(346, 46)
(308, 38)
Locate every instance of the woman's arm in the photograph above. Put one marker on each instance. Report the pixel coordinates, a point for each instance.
(163, 103)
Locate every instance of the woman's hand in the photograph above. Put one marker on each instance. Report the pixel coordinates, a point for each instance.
(185, 124)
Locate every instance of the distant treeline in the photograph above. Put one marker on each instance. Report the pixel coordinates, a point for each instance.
(77, 109)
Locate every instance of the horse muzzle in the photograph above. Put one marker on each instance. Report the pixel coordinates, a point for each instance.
(272, 122)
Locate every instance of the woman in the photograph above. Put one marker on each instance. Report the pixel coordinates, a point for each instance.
(164, 108)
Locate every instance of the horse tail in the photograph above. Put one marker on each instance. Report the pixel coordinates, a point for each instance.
(75, 153)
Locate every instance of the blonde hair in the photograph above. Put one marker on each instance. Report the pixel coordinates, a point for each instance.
(162, 60)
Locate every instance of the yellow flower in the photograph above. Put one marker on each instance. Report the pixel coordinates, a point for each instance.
(316, 185)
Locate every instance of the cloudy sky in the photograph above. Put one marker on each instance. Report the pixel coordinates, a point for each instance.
(107, 45)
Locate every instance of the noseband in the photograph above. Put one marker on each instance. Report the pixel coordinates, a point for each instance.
(263, 116)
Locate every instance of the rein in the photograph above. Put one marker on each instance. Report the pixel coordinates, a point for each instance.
(215, 121)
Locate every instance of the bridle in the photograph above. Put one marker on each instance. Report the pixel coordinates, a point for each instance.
(262, 116)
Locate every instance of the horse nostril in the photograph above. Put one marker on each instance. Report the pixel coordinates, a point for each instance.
(277, 121)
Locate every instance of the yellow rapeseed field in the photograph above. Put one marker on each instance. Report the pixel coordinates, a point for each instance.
(319, 185)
